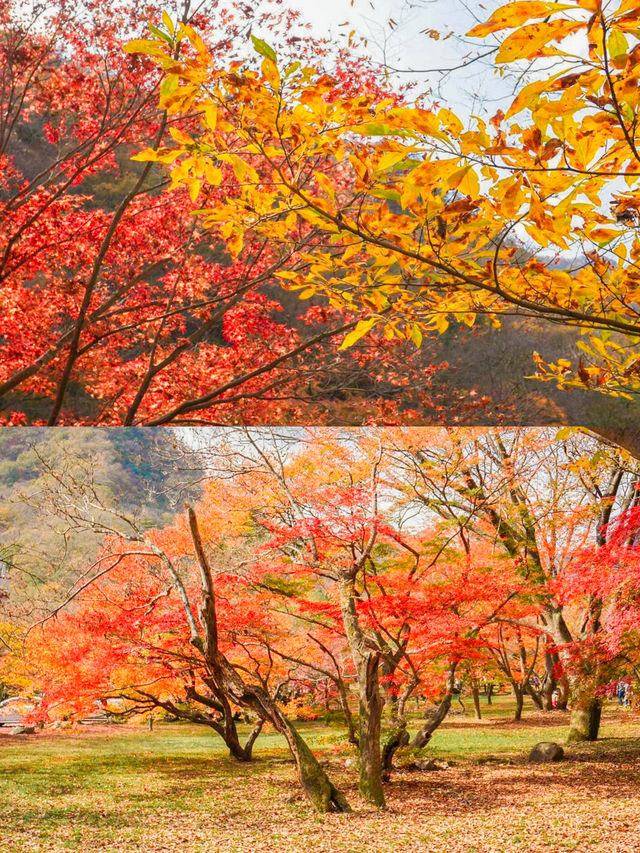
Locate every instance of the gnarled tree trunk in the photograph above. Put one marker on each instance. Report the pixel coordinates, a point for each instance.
(370, 700)
(324, 795)
(436, 715)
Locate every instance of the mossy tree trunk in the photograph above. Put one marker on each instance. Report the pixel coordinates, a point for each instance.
(370, 700)
(584, 724)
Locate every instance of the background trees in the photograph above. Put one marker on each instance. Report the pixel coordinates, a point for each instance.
(371, 572)
(121, 307)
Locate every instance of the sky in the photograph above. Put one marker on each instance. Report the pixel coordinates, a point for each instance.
(398, 33)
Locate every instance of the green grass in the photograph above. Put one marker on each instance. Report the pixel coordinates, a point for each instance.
(128, 789)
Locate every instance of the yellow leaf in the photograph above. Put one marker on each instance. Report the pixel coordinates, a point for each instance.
(465, 181)
(213, 175)
(390, 159)
(360, 331)
(161, 155)
(145, 46)
(416, 335)
(194, 188)
(166, 20)
(326, 184)
(535, 40)
(514, 15)
(270, 73)
(180, 136)
(527, 97)
(210, 115)
(235, 244)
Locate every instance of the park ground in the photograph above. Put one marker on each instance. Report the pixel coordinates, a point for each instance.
(118, 789)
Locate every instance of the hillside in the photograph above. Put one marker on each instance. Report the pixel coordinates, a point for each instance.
(128, 465)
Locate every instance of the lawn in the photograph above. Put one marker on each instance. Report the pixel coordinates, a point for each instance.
(128, 789)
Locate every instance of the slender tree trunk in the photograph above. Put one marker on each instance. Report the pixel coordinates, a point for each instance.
(563, 698)
(519, 694)
(348, 716)
(398, 736)
(436, 715)
(475, 694)
(489, 693)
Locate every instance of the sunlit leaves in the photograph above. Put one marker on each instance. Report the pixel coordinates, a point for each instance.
(437, 206)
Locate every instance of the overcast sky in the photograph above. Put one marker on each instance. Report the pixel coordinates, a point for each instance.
(397, 31)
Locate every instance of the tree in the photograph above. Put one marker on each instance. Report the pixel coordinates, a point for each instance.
(188, 650)
(365, 567)
(117, 306)
(542, 502)
(424, 227)
(405, 604)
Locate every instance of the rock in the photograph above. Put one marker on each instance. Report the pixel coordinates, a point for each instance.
(23, 730)
(546, 751)
(427, 765)
(350, 763)
(495, 759)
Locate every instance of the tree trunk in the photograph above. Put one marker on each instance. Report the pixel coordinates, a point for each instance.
(489, 693)
(475, 694)
(369, 725)
(318, 787)
(436, 715)
(397, 738)
(226, 727)
(563, 698)
(519, 694)
(229, 682)
(536, 697)
(585, 719)
(370, 701)
(346, 710)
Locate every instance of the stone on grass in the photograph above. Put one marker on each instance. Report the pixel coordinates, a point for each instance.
(546, 751)
(427, 765)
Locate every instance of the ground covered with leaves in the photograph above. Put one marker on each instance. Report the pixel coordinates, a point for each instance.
(114, 789)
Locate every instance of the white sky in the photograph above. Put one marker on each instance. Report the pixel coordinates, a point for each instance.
(395, 30)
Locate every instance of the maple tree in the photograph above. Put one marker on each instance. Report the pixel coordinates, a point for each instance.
(423, 212)
(544, 502)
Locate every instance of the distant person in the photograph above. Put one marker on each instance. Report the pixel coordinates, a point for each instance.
(555, 698)
(623, 694)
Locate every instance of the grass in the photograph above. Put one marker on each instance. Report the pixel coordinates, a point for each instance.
(114, 789)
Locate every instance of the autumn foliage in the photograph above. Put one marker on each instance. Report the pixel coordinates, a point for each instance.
(117, 306)
(361, 573)
(430, 219)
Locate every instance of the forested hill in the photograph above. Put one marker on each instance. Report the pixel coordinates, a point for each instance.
(127, 461)
(136, 468)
